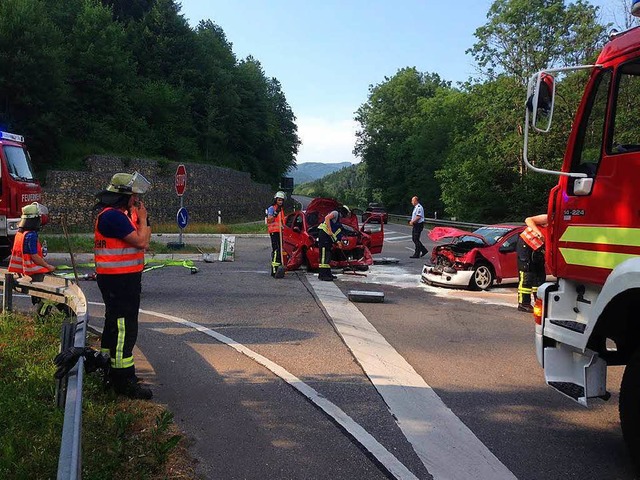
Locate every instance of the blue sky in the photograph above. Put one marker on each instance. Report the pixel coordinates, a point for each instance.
(327, 53)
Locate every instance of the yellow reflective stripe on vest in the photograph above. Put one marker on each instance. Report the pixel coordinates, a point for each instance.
(323, 227)
(591, 258)
(602, 235)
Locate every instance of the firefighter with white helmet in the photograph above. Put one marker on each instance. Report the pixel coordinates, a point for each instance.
(275, 222)
(26, 256)
(122, 233)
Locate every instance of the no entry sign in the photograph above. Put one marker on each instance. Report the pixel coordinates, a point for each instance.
(181, 180)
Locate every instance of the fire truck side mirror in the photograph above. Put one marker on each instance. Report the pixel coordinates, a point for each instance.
(541, 95)
(582, 186)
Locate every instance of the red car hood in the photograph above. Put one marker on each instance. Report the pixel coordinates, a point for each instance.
(439, 233)
(324, 206)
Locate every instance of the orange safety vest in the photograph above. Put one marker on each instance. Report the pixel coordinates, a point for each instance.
(22, 262)
(114, 256)
(273, 224)
(531, 239)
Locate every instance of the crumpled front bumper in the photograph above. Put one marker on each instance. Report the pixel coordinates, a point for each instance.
(437, 276)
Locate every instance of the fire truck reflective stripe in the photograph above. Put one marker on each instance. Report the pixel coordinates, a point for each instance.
(602, 235)
(590, 258)
(117, 251)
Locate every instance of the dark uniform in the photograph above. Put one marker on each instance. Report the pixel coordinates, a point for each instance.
(326, 242)
(531, 268)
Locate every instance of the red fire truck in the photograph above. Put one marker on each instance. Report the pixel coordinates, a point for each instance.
(589, 319)
(18, 187)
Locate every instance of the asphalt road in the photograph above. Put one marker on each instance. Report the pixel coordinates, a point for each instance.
(473, 349)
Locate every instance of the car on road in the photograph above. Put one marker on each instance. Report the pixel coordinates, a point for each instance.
(475, 260)
(376, 212)
(300, 238)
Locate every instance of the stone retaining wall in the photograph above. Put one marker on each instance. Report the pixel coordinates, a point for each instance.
(209, 189)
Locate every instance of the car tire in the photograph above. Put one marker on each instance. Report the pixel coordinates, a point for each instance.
(629, 407)
(482, 277)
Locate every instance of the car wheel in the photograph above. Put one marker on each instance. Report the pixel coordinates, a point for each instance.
(629, 406)
(482, 278)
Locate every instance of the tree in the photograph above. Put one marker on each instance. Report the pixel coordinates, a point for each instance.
(524, 36)
(388, 120)
(32, 77)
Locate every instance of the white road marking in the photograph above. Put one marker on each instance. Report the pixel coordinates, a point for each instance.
(359, 434)
(394, 239)
(446, 446)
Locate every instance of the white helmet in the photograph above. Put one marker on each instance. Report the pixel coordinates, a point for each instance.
(280, 194)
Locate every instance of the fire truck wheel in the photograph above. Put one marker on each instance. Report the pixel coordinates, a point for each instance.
(630, 407)
(482, 278)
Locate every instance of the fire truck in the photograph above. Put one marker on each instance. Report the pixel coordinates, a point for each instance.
(18, 187)
(589, 318)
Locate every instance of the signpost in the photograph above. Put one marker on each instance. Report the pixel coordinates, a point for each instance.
(182, 216)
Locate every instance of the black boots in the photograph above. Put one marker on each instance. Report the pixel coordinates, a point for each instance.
(525, 308)
(129, 387)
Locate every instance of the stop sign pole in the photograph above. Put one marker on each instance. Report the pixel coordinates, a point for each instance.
(181, 186)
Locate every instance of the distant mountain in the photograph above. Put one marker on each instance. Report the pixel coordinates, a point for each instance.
(307, 172)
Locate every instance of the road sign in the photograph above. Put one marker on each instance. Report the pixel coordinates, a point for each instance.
(182, 217)
(181, 180)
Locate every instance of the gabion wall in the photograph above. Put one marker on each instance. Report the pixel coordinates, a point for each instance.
(209, 189)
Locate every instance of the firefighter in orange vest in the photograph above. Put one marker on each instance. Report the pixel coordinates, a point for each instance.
(26, 256)
(530, 249)
(275, 221)
(119, 256)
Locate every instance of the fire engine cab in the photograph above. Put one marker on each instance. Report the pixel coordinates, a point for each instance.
(18, 187)
(589, 318)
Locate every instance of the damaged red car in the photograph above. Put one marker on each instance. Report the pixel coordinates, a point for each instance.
(476, 259)
(300, 238)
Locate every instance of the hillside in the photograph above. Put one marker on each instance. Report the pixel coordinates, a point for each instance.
(307, 172)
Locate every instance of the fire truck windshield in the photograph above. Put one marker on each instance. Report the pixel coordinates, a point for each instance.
(18, 163)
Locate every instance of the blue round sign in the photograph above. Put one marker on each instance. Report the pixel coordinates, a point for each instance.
(182, 217)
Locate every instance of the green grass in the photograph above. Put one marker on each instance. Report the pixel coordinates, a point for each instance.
(84, 244)
(134, 438)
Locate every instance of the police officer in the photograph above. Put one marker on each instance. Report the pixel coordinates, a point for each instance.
(26, 256)
(329, 234)
(275, 221)
(417, 225)
(531, 270)
(120, 243)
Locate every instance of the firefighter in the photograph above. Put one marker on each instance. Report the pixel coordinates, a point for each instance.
(329, 234)
(119, 256)
(531, 269)
(26, 256)
(275, 221)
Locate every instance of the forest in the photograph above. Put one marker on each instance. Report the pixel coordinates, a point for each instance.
(132, 78)
(459, 147)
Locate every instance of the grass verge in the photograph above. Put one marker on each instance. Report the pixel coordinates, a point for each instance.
(136, 439)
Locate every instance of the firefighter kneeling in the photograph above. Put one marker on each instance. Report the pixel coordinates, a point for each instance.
(27, 257)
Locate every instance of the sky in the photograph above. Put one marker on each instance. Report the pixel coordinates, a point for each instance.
(326, 53)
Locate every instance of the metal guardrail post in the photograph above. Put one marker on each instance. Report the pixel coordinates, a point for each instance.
(7, 294)
(73, 334)
(66, 341)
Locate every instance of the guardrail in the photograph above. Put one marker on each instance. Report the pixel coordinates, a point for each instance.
(438, 221)
(74, 331)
